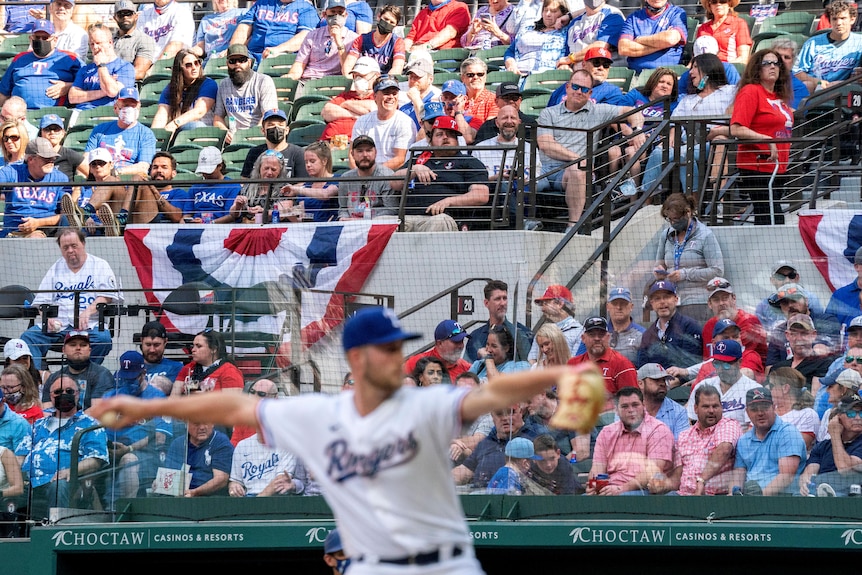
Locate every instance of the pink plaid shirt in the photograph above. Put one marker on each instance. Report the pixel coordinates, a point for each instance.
(626, 454)
(695, 445)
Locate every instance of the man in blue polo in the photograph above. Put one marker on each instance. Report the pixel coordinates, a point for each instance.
(31, 208)
(99, 82)
(273, 27)
(654, 36)
(43, 75)
(131, 144)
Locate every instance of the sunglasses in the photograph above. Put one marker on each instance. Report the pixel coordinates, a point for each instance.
(767, 63)
(851, 359)
(474, 74)
(454, 332)
(190, 65)
(714, 2)
(53, 128)
(261, 393)
(124, 14)
(781, 277)
(600, 63)
(717, 284)
(274, 153)
(581, 89)
(59, 392)
(240, 60)
(11, 138)
(98, 163)
(853, 414)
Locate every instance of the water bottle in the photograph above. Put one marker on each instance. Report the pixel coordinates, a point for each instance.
(366, 211)
(812, 486)
(231, 124)
(276, 217)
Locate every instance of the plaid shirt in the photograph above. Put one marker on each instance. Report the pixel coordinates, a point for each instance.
(694, 447)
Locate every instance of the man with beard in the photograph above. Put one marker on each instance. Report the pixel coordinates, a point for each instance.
(444, 180)
(703, 460)
(449, 339)
(357, 196)
(496, 301)
(632, 449)
(771, 454)
(801, 335)
(275, 128)
(43, 75)
(722, 303)
(388, 126)
(729, 380)
(130, 43)
(154, 340)
(45, 454)
(94, 380)
(245, 95)
(158, 202)
(618, 372)
(508, 94)
(130, 143)
(420, 89)
(674, 338)
(793, 299)
(836, 464)
(653, 382)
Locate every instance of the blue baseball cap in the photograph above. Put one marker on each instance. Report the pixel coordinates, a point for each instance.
(373, 326)
(277, 113)
(51, 120)
(521, 448)
(433, 110)
(332, 543)
(384, 83)
(455, 87)
(662, 285)
(131, 365)
(620, 293)
(129, 93)
(722, 325)
(449, 329)
(42, 26)
(726, 350)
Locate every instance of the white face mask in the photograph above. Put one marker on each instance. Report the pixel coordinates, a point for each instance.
(129, 115)
(361, 84)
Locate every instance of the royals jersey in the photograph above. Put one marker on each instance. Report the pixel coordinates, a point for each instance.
(385, 475)
(127, 146)
(59, 283)
(173, 23)
(274, 22)
(827, 60)
(29, 76)
(255, 465)
(30, 200)
(87, 79)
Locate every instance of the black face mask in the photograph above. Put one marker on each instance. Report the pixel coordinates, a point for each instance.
(42, 47)
(64, 402)
(276, 134)
(79, 365)
(385, 27)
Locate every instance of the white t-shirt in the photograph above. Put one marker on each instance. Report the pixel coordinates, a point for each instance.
(732, 402)
(492, 158)
(398, 132)
(96, 274)
(387, 475)
(255, 465)
(174, 24)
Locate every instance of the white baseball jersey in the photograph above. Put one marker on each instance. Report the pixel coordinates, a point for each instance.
(174, 24)
(255, 465)
(386, 476)
(95, 274)
(732, 402)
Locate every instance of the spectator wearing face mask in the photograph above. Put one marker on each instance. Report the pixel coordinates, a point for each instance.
(275, 128)
(131, 144)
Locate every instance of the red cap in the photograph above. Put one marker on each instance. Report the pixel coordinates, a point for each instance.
(447, 123)
(595, 52)
(556, 291)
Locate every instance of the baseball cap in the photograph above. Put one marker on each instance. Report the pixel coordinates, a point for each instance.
(384, 83)
(41, 147)
(433, 110)
(277, 113)
(705, 45)
(208, 160)
(100, 155)
(76, 334)
(421, 67)
(131, 365)
(620, 293)
(446, 123)
(121, 5)
(42, 26)
(373, 326)
(335, 4)
(556, 291)
(855, 323)
(454, 87)
(848, 403)
(788, 291)
(508, 89)
(15, 349)
(652, 371)
(598, 53)
(237, 50)
(154, 329)
(72, 2)
(521, 448)
(849, 379)
(449, 329)
(716, 285)
(363, 140)
(758, 395)
(662, 285)
(723, 325)
(51, 120)
(332, 543)
(129, 93)
(801, 319)
(365, 65)
(726, 350)
(782, 264)
(595, 323)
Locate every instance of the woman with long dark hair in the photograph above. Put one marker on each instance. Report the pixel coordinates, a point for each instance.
(499, 355)
(188, 99)
(430, 371)
(210, 368)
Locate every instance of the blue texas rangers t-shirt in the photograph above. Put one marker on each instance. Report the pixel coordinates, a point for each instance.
(29, 77)
(212, 198)
(127, 146)
(274, 22)
(87, 79)
(29, 200)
